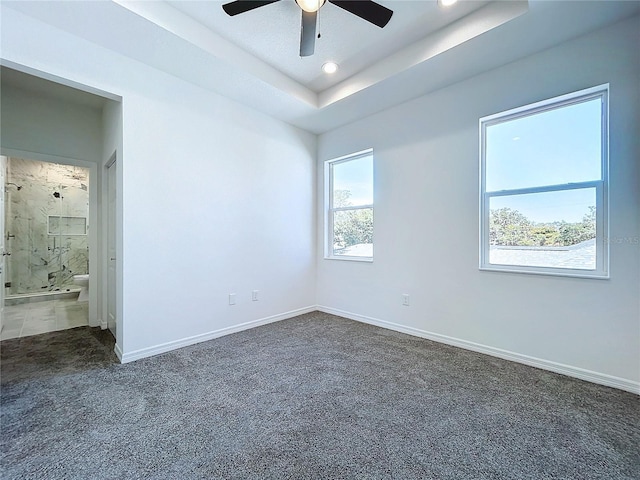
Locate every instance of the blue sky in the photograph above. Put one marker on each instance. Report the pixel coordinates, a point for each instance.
(555, 147)
(567, 205)
(357, 177)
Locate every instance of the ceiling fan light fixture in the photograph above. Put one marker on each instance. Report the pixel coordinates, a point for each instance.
(310, 5)
(447, 3)
(330, 67)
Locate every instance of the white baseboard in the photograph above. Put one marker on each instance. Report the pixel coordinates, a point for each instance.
(184, 342)
(118, 351)
(588, 375)
(98, 323)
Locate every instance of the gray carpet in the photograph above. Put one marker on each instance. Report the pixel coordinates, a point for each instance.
(316, 396)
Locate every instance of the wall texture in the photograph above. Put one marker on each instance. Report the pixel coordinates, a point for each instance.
(426, 221)
(47, 235)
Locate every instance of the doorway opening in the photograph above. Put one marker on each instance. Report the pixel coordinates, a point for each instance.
(46, 246)
(67, 126)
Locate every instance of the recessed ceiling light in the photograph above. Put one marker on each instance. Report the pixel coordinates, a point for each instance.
(330, 67)
(447, 3)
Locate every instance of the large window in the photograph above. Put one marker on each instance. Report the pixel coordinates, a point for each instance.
(349, 207)
(544, 187)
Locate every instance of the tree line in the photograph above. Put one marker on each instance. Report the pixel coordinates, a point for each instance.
(508, 227)
(351, 227)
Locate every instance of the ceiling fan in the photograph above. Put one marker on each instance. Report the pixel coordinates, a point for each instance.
(366, 9)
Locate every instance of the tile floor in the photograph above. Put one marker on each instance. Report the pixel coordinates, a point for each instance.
(42, 317)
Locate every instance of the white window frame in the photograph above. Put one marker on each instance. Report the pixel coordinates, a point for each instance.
(602, 186)
(329, 209)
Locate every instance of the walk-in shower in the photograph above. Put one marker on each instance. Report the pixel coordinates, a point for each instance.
(46, 227)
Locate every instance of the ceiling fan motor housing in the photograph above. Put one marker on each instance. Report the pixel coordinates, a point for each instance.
(310, 5)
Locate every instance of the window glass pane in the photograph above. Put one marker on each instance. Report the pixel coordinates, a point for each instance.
(554, 147)
(353, 182)
(550, 229)
(353, 232)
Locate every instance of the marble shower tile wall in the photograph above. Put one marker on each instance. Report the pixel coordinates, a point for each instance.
(40, 260)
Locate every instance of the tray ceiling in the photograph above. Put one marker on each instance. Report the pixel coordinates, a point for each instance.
(253, 58)
(272, 34)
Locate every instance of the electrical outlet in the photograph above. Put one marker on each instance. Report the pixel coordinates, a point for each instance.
(254, 295)
(405, 299)
(232, 299)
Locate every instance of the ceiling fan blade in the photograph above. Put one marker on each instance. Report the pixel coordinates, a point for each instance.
(366, 9)
(308, 33)
(241, 6)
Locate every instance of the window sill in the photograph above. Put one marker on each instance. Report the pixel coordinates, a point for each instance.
(550, 272)
(350, 259)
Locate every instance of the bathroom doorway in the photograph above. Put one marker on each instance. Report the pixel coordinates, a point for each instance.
(55, 120)
(46, 241)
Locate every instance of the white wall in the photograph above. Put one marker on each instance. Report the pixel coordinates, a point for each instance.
(426, 221)
(41, 124)
(216, 198)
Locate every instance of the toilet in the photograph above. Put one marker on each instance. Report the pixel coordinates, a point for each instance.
(83, 282)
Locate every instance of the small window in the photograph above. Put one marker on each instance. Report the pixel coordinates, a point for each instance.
(349, 210)
(544, 187)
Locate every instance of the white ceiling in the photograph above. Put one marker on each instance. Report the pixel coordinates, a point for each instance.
(272, 34)
(253, 57)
